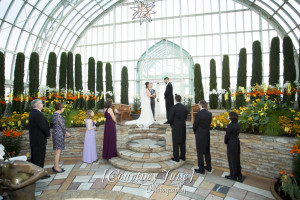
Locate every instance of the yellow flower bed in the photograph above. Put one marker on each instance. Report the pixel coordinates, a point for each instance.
(15, 121)
(79, 119)
(290, 125)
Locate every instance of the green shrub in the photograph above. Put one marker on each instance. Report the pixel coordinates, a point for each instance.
(124, 86)
(2, 83)
(256, 64)
(34, 74)
(213, 98)
(19, 82)
(63, 70)
(241, 78)
(91, 81)
(274, 61)
(226, 82)
(109, 86)
(100, 103)
(70, 82)
(51, 70)
(198, 86)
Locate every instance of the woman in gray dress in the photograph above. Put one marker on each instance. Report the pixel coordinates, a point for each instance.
(58, 136)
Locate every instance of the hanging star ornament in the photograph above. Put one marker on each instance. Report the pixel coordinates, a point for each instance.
(143, 10)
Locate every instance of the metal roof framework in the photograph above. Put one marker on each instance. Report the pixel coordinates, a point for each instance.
(44, 26)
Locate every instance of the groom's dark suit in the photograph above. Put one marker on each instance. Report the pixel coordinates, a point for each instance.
(201, 128)
(169, 99)
(178, 115)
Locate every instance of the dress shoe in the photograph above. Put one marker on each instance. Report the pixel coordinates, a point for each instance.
(239, 179)
(230, 177)
(54, 170)
(199, 171)
(208, 169)
(176, 160)
(46, 176)
(183, 159)
(167, 122)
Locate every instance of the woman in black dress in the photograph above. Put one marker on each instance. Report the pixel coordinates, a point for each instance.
(233, 148)
(58, 135)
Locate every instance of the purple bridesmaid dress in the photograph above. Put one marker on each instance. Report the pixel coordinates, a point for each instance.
(89, 149)
(110, 138)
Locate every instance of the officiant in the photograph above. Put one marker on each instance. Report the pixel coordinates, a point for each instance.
(168, 98)
(178, 116)
(152, 99)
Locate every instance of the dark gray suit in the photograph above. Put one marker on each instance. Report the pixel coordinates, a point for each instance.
(152, 101)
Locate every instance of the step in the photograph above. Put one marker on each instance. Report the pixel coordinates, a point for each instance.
(146, 145)
(155, 167)
(145, 157)
(145, 136)
(149, 130)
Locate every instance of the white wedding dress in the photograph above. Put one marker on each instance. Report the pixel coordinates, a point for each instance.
(146, 116)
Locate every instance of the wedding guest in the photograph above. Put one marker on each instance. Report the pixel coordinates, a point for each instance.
(110, 137)
(178, 116)
(201, 128)
(90, 148)
(58, 135)
(39, 131)
(233, 147)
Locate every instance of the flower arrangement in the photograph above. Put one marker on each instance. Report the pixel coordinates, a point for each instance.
(187, 101)
(289, 185)
(136, 104)
(15, 121)
(11, 141)
(79, 119)
(290, 125)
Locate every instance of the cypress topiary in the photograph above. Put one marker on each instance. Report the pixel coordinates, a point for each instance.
(70, 82)
(241, 78)
(256, 64)
(274, 62)
(34, 74)
(91, 80)
(289, 68)
(51, 70)
(78, 72)
(213, 98)
(19, 82)
(198, 86)
(63, 70)
(100, 104)
(226, 82)
(124, 86)
(2, 83)
(109, 86)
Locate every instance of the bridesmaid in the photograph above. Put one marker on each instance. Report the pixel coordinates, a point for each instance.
(110, 138)
(89, 149)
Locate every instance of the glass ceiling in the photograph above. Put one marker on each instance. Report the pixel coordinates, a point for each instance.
(44, 26)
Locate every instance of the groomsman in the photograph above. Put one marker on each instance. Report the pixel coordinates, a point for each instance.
(168, 98)
(201, 128)
(152, 99)
(178, 115)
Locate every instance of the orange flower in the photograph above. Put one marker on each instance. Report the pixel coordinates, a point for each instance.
(281, 172)
(292, 175)
(2, 102)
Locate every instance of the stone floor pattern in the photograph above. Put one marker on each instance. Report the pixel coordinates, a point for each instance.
(180, 183)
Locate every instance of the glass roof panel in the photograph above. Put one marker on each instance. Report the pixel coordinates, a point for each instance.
(292, 13)
(13, 12)
(14, 38)
(3, 8)
(4, 34)
(23, 15)
(39, 24)
(72, 15)
(41, 5)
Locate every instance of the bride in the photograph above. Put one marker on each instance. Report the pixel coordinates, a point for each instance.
(146, 117)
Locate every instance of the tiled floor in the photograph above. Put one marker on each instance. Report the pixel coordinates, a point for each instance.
(181, 183)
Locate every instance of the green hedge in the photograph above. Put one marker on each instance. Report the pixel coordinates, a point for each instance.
(241, 78)
(70, 81)
(109, 86)
(274, 61)
(226, 82)
(198, 86)
(78, 72)
(124, 86)
(256, 64)
(2, 82)
(34, 74)
(51, 70)
(213, 98)
(63, 70)
(289, 68)
(99, 88)
(91, 80)
(19, 82)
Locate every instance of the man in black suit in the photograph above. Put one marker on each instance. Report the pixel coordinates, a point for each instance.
(152, 99)
(168, 98)
(178, 115)
(39, 131)
(201, 128)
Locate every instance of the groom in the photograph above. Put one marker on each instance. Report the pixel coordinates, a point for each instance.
(168, 98)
